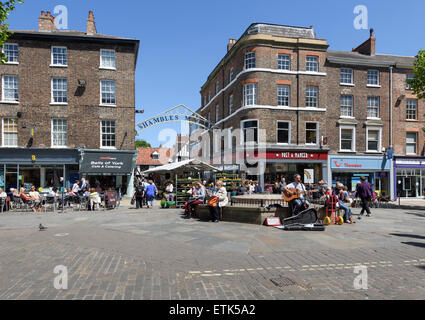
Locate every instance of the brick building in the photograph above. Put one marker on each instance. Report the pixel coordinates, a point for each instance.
(274, 78)
(68, 100)
(336, 115)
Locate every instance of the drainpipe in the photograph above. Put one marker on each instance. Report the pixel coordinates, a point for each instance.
(392, 173)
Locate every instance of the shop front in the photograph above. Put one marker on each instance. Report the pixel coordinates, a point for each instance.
(409, 175)
(348, 170)
(311, 165)
(43, 168)
(109, 169)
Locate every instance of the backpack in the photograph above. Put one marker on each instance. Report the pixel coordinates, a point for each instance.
(139, 190)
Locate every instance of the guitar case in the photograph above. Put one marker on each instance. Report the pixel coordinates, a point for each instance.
(306, 220)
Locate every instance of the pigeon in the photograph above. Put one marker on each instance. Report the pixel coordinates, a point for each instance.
(41, 227)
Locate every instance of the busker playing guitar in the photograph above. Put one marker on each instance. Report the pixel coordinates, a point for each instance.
(294, 193)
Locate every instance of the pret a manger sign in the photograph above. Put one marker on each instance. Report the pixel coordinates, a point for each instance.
(289, 155)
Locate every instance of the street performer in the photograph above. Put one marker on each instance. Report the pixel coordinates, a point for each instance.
(298, 204)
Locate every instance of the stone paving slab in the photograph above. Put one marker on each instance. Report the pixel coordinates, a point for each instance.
(154, 254)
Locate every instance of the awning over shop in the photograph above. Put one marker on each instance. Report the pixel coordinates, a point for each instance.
(182, 166)
(38, 156)
(100, 163)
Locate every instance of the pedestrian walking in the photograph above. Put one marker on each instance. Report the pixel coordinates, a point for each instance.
(139, 194)
(151, 191)
(364, 192)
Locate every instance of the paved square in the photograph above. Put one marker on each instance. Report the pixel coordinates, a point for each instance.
(155, 254)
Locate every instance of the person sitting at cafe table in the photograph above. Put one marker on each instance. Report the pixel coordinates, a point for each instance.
(94, 199)
(35, 196)
(297, 187)
(3, 200)
(26, 199)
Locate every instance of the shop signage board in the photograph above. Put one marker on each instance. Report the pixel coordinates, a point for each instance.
(360, 163)
(107, 163)
(296, 155)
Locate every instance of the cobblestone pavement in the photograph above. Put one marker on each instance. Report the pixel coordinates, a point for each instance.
(155, 254)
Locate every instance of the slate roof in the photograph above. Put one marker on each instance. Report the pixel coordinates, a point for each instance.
(378, 60)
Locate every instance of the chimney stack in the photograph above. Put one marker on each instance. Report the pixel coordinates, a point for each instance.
(231, 44)
(46, 22)
(367, 47)
(91, 25)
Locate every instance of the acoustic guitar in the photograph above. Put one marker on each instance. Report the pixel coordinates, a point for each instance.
(288, 196)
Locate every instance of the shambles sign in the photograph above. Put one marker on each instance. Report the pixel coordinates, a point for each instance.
(101, 163)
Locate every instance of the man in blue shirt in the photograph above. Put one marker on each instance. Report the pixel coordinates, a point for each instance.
(364, 192)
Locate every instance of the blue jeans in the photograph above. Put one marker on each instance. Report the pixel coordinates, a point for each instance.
(150, 200)
(347, 210)
(298, 205)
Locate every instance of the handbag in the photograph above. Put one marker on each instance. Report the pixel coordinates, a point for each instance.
(213, 201)
(132, 201)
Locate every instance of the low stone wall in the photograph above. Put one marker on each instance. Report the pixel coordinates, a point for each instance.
(252, 215)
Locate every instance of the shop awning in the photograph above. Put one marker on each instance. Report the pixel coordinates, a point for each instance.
(182, 166)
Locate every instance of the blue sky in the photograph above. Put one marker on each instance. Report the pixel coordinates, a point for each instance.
(182, 41)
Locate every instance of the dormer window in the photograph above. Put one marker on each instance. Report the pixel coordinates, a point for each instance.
(155, 155)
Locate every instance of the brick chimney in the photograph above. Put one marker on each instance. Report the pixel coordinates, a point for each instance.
(367, 47)
(46, 22)
(231, 44)
(91, 25)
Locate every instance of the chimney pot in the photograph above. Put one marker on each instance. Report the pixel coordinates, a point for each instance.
(46, 22)
(91, 25)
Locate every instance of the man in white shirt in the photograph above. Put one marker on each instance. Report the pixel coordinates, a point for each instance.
(300, 204)
(76, 187)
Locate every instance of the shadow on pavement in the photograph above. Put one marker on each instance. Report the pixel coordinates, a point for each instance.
(415, 236)
(415, 244)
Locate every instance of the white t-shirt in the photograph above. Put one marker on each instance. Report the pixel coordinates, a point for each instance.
(299, 187)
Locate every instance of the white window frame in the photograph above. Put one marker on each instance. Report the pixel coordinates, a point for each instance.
(115, 59)
(416, 143)
(416, 109)
(254, 94)
(352, 77)
(317, 97)
(353, 143)
(352, 106)
(52, 102)
(283, 63)
(2, 133)
(279, 86)
(379, 129)
(3, 99)
(101, 140)
(115, 94)
(378, 85)
(11, 44)
(217, 112)
(317, 133)
(250, 61)
(379, 107)
(243, 131)
(289, 132)
(52, 132)
(230, 104)
(311, 63)
(59, 65)
(231, 74)
(217, 87)
(409, 76)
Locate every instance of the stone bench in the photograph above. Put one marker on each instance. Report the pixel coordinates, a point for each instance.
(253, 215)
